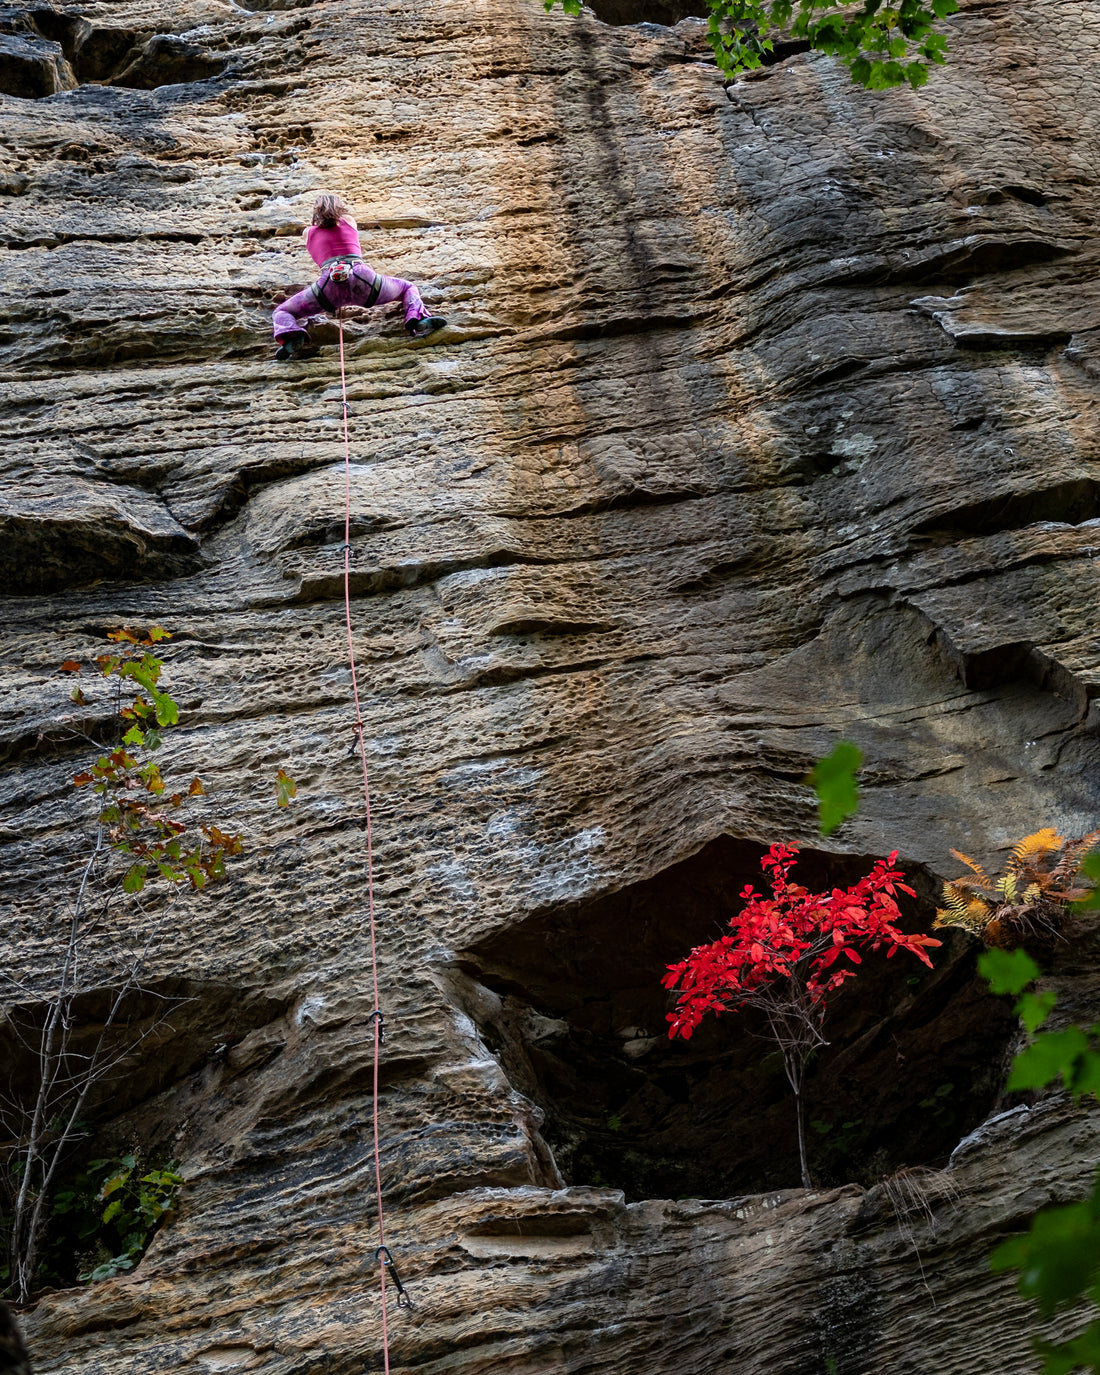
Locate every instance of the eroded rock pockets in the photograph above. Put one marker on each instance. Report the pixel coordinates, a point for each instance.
(45, 50)
(570, 1001)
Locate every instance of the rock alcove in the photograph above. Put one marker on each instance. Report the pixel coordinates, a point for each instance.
(570, 1001)
(162, 1033)
(44, 51)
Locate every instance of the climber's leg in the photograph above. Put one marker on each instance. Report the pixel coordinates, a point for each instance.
(291, 315)
(417, 318)
(397, 289)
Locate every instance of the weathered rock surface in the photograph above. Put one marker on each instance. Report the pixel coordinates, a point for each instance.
(766, 416)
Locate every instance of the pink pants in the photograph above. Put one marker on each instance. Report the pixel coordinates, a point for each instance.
(291, 315)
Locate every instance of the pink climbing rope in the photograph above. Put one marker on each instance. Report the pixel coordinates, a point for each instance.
(376, 1019)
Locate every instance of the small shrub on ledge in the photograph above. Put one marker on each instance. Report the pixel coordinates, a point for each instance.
(785, 954)
(1029, 900)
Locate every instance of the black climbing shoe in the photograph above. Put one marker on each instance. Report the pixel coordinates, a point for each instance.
(291, 344)
(426, 325)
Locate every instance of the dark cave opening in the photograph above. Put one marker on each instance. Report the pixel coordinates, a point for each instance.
(86, 1097)
(667, 12)
(162, 1032)
(915, 1059)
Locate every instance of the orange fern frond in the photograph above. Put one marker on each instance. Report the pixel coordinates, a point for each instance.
(975, 868)
(964, 907)
(1075, 852)
(1030, 897)
(1037, 846)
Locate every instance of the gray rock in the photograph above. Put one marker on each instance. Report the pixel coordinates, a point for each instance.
(32, 67)
(766, 419)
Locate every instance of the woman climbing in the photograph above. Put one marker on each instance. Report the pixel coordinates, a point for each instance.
(345, 280)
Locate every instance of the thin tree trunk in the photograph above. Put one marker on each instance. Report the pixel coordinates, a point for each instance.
(800, 1112)
(53, 1049)
(795, 1054)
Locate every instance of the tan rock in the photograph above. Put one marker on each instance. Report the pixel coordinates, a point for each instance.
(765, 417)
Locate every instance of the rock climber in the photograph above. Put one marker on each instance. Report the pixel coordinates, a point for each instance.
(345, 280)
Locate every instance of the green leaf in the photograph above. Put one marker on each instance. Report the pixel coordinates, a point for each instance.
(1035, 1008)
(1090, 870)
(168, 713)
(1007, 971)
(1083, 1353)
(1058, 1258)
(1054, 1054)
(1086, 1075)
(112, 1210)
(917, 75)
(134, 881)
(134, 736)
(834, 780)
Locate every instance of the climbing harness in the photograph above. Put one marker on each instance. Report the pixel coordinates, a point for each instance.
(382, 1254)
(351, 258)
(342, 270)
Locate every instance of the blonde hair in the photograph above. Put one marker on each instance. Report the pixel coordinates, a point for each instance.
(327, 211)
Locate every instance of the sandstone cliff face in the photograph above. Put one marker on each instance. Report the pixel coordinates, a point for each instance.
(766, 416)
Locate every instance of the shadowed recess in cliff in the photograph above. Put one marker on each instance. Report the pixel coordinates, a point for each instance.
(164, 1031)
(914, 1061)
(44, 51)
(620, 12)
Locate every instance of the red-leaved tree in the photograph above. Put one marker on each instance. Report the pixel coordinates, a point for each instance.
(786, 953)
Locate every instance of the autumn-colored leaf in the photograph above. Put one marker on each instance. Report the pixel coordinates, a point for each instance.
(196, 789)
(285, 788)
(70, 666)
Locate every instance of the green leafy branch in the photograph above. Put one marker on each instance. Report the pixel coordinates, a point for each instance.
(1058, 1258)
(142, 819)
(120, 1215)
(882, 45)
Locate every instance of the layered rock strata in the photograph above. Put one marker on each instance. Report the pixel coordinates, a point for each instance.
(765, 417)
